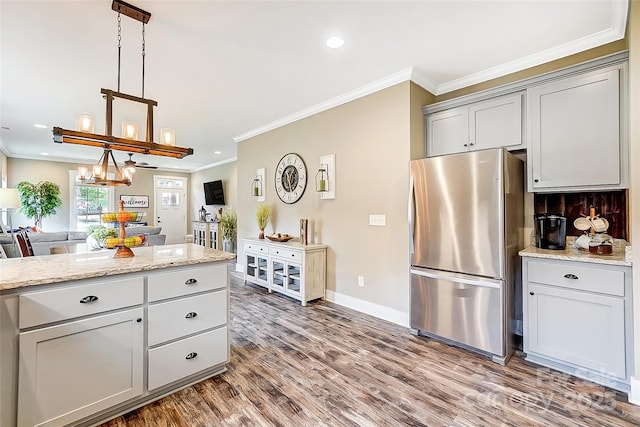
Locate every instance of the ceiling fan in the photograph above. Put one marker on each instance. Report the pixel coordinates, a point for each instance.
(141, 165)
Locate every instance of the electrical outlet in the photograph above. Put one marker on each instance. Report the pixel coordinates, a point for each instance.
(361, 281)
(378, 220)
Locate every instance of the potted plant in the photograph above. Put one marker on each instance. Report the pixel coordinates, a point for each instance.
(39, 200)
(263, 215)
(228, 228)
(96, 235)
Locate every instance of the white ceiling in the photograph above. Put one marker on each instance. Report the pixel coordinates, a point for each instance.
(222, 71)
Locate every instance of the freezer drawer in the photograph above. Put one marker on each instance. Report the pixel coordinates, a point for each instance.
(452, 306)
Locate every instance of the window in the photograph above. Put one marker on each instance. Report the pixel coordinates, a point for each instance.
(88, 203)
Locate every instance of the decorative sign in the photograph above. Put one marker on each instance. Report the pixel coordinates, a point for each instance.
(135, 201)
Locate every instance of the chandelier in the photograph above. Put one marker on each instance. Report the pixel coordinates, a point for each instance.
(128, 141)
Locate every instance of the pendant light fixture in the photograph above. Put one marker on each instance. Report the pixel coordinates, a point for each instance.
(128, 141)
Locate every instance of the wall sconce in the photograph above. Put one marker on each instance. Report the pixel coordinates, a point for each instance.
(259, 185)
(129, 130)
(327, 173)
(256, 187)
(167, 136)
(86, 123)
(322, 179)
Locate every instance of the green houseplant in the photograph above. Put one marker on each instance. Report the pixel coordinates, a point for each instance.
(263, 215)
(228, 228)
(39, 200)
(96, 235)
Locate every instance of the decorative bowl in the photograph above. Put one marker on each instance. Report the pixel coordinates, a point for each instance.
(279, 239)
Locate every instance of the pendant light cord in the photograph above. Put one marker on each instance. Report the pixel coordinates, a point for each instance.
(119, 48)
(143, 56)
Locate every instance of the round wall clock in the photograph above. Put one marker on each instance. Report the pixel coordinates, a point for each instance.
(291, 178)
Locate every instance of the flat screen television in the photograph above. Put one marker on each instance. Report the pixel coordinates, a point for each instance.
(213, 193)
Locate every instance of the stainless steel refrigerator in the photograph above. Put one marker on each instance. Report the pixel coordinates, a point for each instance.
(466, 219)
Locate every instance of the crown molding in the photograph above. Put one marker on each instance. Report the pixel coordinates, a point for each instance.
(383, 83)
(213, 165)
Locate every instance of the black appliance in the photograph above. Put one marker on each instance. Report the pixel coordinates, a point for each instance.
(551, 231)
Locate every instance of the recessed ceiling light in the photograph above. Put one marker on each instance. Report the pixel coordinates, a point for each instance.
(335, 42)
(217, 152)
(39, 126)
(44, 154)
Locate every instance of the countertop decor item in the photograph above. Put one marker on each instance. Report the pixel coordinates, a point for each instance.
(122, 242)
(263, 215)
(277, 237)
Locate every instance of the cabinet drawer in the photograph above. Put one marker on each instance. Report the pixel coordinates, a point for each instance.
(285, 253)
(38, 308)
(180, 359)
(181, 282)
(255, 247)
(173, 319)
(573, 276)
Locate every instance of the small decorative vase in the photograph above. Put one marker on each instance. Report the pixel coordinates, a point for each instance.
(93, 243)
(261, 235)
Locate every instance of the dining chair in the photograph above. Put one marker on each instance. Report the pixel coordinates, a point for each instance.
(24, 244)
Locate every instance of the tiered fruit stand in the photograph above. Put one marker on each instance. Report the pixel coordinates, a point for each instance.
(123, 243)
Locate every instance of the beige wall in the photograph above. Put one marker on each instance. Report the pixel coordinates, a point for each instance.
(35, 171)
(228, 174)
(371, 139)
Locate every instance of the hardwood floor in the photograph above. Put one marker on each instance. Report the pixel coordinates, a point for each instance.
(326, 365)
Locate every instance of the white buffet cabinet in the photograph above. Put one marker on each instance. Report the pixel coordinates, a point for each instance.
(578, 317)
(290, 268)
(79, 352)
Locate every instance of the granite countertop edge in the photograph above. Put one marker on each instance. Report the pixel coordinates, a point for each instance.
(16, 273)
(618, 257)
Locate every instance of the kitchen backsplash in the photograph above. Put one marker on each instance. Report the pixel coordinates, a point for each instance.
(611, 205)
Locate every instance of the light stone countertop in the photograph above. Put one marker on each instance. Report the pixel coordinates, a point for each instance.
(618, 257)
(46, 269)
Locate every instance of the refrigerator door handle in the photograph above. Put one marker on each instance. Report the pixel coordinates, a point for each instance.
(411, 212)
(457, 277)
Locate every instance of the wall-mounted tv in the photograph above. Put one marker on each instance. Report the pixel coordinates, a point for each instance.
(213, 193)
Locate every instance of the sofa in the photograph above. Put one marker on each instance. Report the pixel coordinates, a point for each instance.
(42, 242)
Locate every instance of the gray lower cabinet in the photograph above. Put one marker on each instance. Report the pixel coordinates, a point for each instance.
(577, 319)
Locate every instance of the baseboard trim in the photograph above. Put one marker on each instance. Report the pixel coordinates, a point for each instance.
(381, 312)
(634, 392)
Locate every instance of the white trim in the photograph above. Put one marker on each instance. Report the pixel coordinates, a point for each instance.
(381, 312)
(383, 83)
(213, 165)
(634, 392)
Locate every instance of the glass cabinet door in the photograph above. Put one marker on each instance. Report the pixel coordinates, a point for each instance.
(251, 265)
(262, 273)
(293, 278)
(278, 274)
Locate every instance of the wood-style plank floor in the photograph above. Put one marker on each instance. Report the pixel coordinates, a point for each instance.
(326, 365)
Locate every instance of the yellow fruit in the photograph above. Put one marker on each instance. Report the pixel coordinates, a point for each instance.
(129, 242)
(111, 242)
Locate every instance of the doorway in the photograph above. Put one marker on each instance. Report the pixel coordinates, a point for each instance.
(171, 207)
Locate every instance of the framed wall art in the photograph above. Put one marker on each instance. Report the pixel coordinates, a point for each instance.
(135, 201)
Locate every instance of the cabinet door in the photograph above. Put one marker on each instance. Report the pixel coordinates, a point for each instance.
(582, 328)
(76, 369)
(496, 123)
(257, 269)
(448, 132)
(571, 120)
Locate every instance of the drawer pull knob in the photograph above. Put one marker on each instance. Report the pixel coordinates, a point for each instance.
(139, 319)
(531, 293)
(191, 355)
(191, 315)
(571, 276)
(88, 299)
(191, 282)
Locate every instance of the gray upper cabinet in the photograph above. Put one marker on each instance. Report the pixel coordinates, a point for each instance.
(577, 138)
(495, 122)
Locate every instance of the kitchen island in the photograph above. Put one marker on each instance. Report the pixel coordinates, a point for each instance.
(85, 337)
(577, 313)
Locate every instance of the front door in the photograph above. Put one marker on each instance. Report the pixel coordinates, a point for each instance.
(171, 207)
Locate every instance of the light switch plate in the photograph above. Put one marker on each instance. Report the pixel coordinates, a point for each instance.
(380, 220)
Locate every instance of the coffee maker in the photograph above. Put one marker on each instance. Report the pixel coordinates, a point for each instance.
(551, 231)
